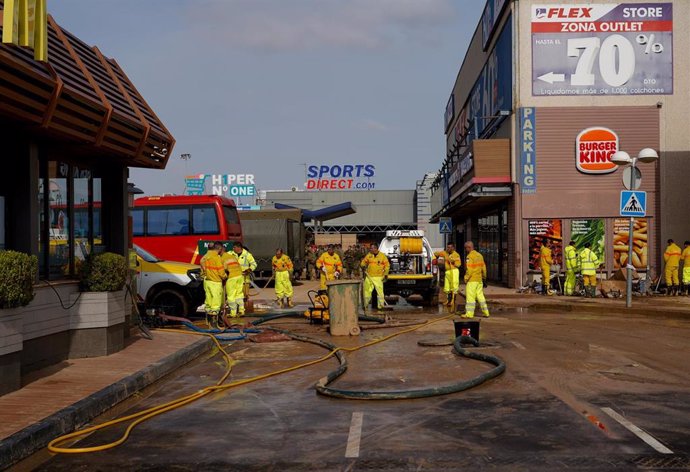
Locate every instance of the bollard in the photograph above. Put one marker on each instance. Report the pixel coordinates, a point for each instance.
(343, 306)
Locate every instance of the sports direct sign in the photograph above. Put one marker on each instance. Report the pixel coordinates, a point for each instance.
(340, 177)
(602, 49)
(594, 148)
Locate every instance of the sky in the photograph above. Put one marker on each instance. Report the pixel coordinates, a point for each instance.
(265, 86)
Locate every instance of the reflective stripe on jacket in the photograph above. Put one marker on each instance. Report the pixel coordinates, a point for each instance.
(231, 263)
(571, 262)
(452, 260)
(282, 264)
(377, 265)
(589, 262)
(672, 255)
(475, 267)
(212, 267)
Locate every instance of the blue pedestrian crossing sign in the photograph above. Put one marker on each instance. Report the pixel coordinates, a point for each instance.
(445, 226)
(633, 203)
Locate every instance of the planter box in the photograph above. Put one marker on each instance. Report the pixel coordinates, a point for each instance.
(97, 323)
(11, 342)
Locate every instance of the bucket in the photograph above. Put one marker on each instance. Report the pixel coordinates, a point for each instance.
(467, 328)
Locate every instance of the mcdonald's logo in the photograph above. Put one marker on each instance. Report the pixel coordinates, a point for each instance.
(25, 23)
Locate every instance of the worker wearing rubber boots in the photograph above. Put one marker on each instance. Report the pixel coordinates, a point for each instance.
(451, 281)
(234, 287)
(671, 265)
(545, 261)
(685, 256)
(213, 273)
(282, 274)
(589, 262)
(572, 267)
(329, 266)
(475, 279)
(376, 268)
(248, 265)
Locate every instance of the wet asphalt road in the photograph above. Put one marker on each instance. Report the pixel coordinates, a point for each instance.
(567, 374)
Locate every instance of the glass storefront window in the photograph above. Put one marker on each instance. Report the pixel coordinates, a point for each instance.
(69, 224)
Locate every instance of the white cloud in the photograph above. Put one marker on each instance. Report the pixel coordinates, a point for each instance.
(373, 125)
(280, 25)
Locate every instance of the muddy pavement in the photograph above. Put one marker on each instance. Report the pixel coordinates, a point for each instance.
(581, 392)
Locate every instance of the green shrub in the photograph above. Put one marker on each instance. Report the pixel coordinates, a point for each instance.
(105, 272)
(17, 275)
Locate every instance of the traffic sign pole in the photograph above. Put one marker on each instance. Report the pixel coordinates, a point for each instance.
(628, 282)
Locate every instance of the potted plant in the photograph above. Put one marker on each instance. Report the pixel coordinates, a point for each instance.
(97, 318)
(17, 275)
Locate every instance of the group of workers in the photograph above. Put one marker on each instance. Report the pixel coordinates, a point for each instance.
(229, 272)
(584, 262)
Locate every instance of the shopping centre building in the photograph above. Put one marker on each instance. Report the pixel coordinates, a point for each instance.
(546, 94)
(71, 123)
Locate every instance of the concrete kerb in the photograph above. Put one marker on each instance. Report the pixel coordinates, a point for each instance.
(559, 304)
(37, 436)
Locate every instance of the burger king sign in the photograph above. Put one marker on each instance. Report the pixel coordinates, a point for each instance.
(594, 148)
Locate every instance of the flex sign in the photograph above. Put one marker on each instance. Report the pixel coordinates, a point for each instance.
(602, 49)
(230, 185)
(340, 177)
(593, 150)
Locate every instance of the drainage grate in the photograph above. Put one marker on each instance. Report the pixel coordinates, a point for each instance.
(662, 462)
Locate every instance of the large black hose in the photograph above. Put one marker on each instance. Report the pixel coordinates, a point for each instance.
(323, 388)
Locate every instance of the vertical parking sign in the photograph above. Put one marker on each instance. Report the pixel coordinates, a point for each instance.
(602, 49)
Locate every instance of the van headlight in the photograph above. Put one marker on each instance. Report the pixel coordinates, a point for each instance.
(194, 274)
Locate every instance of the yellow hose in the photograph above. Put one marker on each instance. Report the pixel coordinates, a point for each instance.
(220, 385)
(411, 245)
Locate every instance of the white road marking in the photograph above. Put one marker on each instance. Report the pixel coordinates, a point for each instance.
(639, 432)
(355, 436)
(518, 345)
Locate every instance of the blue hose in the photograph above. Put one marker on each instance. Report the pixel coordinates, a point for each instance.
(194, 327)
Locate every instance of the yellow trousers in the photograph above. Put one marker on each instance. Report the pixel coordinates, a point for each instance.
(686, 275)
(570, 282)
(234, 291)
(451, 281)
(671, 275)
(371, 283)
(475, 293)
(546, 277)
(283, 284)
(325, 278)
(589, 280)
(214, 296)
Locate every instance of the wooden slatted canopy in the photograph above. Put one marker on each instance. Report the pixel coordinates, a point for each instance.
(81, 96)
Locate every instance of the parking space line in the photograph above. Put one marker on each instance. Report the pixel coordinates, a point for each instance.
(355, 436)
(518, 345)
(639, 432)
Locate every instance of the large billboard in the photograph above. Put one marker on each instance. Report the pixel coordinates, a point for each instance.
(340, 177)
(602, 49)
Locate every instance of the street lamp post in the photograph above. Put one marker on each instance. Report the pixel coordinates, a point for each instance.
(620, 158)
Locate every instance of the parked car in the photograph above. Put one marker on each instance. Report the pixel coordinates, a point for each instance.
(174, 287)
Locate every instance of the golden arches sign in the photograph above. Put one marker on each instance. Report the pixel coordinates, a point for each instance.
(25, 23)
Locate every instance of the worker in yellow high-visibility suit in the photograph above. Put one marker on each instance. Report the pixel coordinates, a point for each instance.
(672, 262)
(248, 264)
(572, 267)
(376, 268)
(234, 287)
(545, 261)
(589, 262)
(282, 274)
(685, 255)
(475, 278)
(213, 273)
(329, 265)
(451, 281)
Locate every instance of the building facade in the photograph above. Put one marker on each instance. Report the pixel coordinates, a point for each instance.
(70, 127)
(547, 92)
